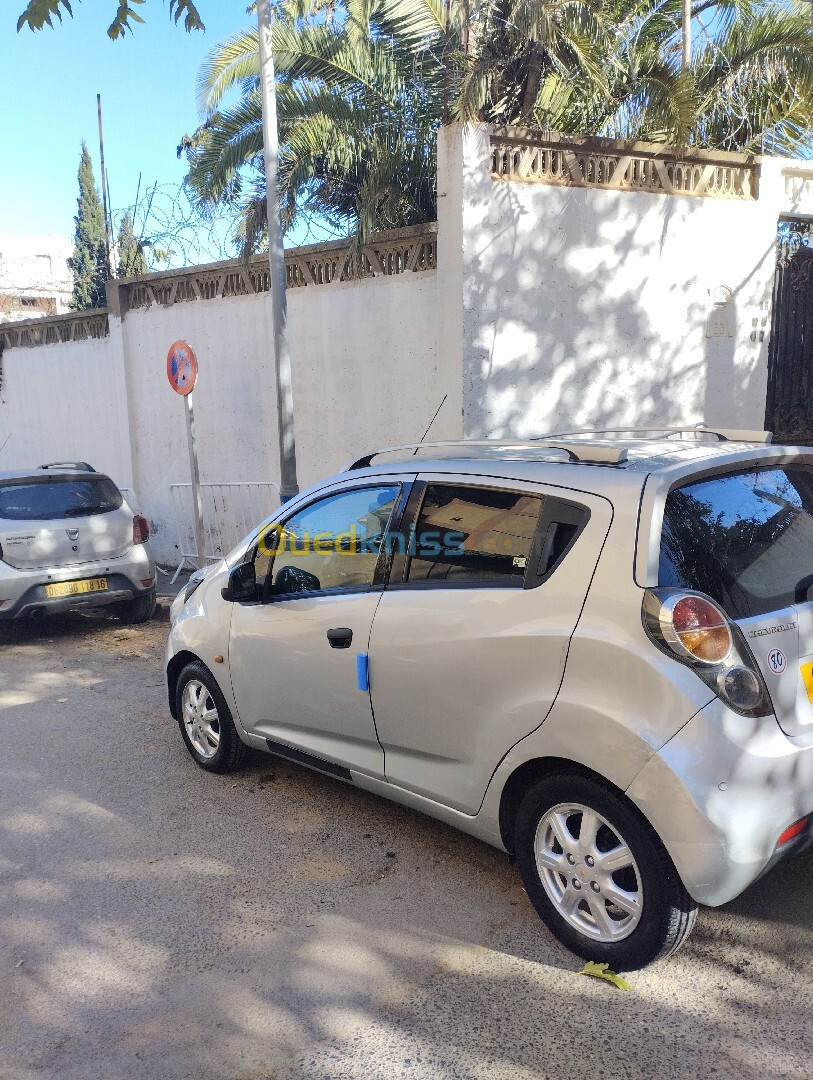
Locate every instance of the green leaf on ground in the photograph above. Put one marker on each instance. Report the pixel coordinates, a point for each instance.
(602, 971)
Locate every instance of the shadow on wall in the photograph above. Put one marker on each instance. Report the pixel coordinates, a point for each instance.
(577, 316)
(731, 391)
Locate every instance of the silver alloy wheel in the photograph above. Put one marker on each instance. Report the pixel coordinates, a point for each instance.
(201, 719)
(588, 872)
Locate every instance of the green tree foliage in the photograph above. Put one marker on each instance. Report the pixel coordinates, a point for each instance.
(749, 86)
(40, 13)
(362, 86)
(131, 259)
(88, 262)
(359, 97)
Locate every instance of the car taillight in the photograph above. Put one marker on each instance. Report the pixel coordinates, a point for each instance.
(699, 627)
(694, 630)
(141, 529)
(792, 832)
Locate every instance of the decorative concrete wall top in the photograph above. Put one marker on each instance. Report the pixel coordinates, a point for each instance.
(539, 157)
(399, 251)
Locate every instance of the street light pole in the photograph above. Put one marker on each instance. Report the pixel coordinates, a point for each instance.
(276, 257)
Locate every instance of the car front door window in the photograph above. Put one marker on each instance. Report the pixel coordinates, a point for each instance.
(333, 544)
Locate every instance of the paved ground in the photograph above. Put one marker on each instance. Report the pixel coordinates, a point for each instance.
(158, 922)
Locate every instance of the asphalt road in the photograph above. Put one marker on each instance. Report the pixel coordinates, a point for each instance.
(159, 922)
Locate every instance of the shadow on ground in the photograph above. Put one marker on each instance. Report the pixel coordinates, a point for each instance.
(157, 921)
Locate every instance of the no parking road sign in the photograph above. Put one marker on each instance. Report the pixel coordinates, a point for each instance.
(182, 372)
(182, 368)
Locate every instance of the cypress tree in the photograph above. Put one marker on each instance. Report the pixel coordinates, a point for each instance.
(130, 253)
(88, 262)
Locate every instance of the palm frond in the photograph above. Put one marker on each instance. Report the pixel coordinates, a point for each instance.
(234, 61)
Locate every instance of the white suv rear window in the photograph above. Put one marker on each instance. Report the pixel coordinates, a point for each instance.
(46, 500)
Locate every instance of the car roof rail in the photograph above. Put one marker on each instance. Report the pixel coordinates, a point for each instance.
(581, 452)
(722, 434)
(77, 466)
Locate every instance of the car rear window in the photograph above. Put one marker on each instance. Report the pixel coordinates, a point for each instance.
(37, 500)
(744, 539)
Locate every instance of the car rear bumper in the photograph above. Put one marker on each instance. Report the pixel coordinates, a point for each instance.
(721, 793)
(22, 592)
(34, 602)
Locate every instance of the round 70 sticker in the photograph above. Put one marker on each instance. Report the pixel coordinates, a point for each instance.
(776, 661)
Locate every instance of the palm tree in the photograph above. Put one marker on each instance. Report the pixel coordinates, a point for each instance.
(749, 86)
(359, 100)
(360, 96)
(524, 49)
(363, 88)
(754, 82)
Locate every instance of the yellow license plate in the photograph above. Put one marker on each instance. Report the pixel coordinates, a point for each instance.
(807, 678)
(76, 588)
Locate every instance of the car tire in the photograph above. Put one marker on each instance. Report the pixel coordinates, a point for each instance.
(206, 722)
(139, 610)
(626, 907)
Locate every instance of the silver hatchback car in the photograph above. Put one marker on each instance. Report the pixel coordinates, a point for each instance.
(593, 652)
(68, 539)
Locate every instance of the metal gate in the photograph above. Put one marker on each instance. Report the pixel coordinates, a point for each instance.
(789, 404)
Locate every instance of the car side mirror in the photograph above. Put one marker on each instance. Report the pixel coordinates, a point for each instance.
(241, 585)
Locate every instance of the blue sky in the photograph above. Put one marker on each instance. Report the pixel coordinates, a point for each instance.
(49, 84)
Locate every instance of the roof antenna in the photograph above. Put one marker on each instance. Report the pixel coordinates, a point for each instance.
(431, 422)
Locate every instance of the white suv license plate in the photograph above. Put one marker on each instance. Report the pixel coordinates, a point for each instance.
(76, 588)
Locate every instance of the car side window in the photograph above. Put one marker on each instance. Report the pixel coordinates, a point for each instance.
(333, 543)
(473, 535)
(560, 526)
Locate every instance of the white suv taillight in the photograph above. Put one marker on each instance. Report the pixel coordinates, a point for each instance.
(141, 530)
(694, 630)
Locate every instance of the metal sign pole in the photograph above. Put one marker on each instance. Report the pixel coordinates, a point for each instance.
(182, 372)
(279, 310)
(197, 499)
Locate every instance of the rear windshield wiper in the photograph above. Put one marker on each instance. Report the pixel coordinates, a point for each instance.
(81, 511)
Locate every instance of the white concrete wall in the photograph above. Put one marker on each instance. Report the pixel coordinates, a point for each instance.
(65, 402)
(551, 308)
(584, 308)
(366, 373)
(367, 370)
(234, 403)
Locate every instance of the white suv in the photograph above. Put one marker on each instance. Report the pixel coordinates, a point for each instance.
(596, 653)
(68, 539)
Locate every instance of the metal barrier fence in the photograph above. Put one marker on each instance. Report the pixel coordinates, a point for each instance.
(230, 512)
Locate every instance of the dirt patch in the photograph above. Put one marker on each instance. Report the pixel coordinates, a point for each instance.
(321, 871)
(300, 823)
(145, 641)
(80, 635)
